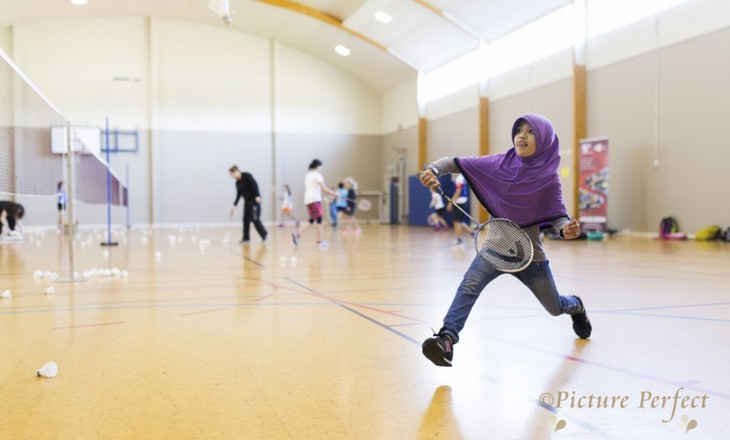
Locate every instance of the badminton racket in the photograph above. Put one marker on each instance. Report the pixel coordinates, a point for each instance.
(499, 241)
(362, 204)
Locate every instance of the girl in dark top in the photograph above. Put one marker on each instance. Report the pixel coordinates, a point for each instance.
(349, 212)
(10, 215)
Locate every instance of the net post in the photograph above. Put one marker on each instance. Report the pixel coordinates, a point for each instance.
(71, 216)
(126, 177)
(70, 208)
(109, 241)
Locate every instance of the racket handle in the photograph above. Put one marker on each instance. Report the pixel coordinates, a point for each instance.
(419, 173)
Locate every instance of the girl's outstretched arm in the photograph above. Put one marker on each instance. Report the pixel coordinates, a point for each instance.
(571, 230)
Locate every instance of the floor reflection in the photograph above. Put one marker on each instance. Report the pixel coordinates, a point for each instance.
(439, 421)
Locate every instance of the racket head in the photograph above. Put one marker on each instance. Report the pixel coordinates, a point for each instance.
(364, 205)
(504, 245)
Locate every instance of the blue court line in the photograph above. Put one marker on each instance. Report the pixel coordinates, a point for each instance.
(250, 260)
(350, 309)
(652, 315)
(668, 307)
(680, 269)
(381, 325)
(159, 306)
(110, 303)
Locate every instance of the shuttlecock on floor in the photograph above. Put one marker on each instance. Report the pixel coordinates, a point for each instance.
(48, 370)
(50, 290)
(38, 274)
(6, 295)
(124, 274)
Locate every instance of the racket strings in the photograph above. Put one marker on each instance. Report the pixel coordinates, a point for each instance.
(504, 246)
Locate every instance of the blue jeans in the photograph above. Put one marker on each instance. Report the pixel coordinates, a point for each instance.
(537, 277)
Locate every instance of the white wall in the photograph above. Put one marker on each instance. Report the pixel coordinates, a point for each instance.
(686, 21)
(315, 97)
(400, 107)
(75, 62)
(205, 98)
(6, 39)
(210, 79)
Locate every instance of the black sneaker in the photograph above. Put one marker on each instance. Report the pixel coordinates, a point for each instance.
(581, 323)
(439, 349)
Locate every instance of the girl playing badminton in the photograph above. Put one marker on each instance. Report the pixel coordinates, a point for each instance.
(349, 212)
(313, 187)
(521, 185)
(287, 206)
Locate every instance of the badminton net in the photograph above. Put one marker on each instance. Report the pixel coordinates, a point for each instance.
(27, 166)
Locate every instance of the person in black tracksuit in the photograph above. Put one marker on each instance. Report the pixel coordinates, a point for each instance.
(248, 189)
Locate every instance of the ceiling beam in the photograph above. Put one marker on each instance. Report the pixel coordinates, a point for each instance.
(451, 19)
(332, 20)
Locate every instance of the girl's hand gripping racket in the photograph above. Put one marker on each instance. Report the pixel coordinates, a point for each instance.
(500, 242)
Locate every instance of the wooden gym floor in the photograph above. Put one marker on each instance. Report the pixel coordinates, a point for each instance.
(245, 342)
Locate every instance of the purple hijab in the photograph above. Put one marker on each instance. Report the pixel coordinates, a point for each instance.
(524, 190)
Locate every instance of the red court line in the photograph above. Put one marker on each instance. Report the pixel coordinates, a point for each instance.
(88, 325)
(202, 311)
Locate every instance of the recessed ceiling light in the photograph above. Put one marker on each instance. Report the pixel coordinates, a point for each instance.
(79, 2)
(383, 17)
(342, 50)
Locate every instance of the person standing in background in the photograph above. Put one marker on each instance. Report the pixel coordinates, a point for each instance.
(313, 187)
(436, 219)
(61, 199)
(248, 189)
(460, 197)
(287, 206)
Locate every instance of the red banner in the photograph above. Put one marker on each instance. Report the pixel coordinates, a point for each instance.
(593, 184)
